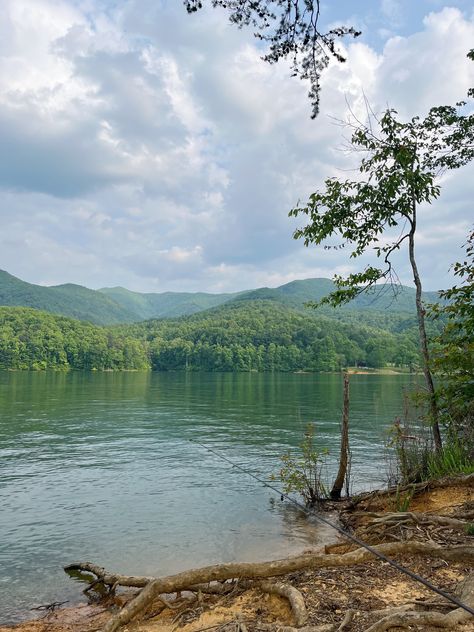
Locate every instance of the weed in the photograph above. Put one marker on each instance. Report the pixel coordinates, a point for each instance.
(402, 501)
(303, 474)
(413, 447)
(454, 458)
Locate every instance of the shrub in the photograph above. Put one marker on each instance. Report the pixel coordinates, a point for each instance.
(303, 473)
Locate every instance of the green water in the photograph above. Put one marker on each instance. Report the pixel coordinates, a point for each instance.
(100, 466)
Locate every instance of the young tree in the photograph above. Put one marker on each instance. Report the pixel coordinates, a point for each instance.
(292, 30)
(399, 171)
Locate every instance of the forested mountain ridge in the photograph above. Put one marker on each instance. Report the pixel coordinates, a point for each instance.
(165, 304)
(69, 299)
(299, 293)
(265, 336)
(238, 336)
(118, 305)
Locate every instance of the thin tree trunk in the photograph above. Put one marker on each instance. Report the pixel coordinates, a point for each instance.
(343, 460)
(420, 312)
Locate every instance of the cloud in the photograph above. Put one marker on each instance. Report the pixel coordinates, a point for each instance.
(147, 148)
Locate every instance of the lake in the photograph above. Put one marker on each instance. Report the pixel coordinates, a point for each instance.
(100, 467)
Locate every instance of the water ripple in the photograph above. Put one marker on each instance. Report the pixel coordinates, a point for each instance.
(88, 462)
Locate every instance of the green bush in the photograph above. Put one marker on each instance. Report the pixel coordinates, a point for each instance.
(303, 473)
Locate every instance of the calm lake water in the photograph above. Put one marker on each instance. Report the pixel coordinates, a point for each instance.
(100, 466)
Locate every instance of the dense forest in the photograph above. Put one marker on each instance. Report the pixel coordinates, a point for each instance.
(32, 339)
(253, 335)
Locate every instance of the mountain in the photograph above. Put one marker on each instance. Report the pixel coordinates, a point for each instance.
(165, 304)
(299, 293)
(296, 294)
(117, 305)
(70, 300)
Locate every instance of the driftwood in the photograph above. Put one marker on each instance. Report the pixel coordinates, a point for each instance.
(152, 587)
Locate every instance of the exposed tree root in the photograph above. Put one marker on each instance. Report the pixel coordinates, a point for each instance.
(325, 627)
(106, 578)
(407, 525)
(152, 588)
(399, 517)
(412, 618)
(465, 511)
(462, 480)
(293, 595)
(272, 627)
(436, 619)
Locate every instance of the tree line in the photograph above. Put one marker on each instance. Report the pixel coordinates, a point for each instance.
(251, 336)
(33, 339)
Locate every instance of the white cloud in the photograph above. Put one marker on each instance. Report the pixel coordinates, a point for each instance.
(147, 148)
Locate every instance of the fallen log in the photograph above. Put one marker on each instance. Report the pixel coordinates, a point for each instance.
(153, 587)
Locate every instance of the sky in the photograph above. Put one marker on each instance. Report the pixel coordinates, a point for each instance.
(155, 150)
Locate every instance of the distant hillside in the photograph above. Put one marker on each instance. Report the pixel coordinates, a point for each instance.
(117, 305)
(165, 304)
(298, 293)
(70, 300)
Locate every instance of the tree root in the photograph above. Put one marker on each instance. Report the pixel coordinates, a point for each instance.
(153, 587)
(401, 526)
(436, 619)
(325, 627)
(109, 579)
(410, 618)
(293, 595)
(272, 627)
(398, 517)
(415, 488)
(407, 525)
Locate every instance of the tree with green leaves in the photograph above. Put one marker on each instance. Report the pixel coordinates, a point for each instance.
(292, 31)
(379, 211)
(454, 355)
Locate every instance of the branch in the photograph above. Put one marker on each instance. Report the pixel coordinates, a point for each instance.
(291, 28)
(222, 572)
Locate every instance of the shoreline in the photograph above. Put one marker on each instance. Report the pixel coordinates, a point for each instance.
(351, 588)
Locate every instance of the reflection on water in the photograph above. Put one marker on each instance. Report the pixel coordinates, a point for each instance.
(101, 466)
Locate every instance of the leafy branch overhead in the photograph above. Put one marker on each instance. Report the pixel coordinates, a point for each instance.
(398, 173)
(292, 30)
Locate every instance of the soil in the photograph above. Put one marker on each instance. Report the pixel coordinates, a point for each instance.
(328, 593)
